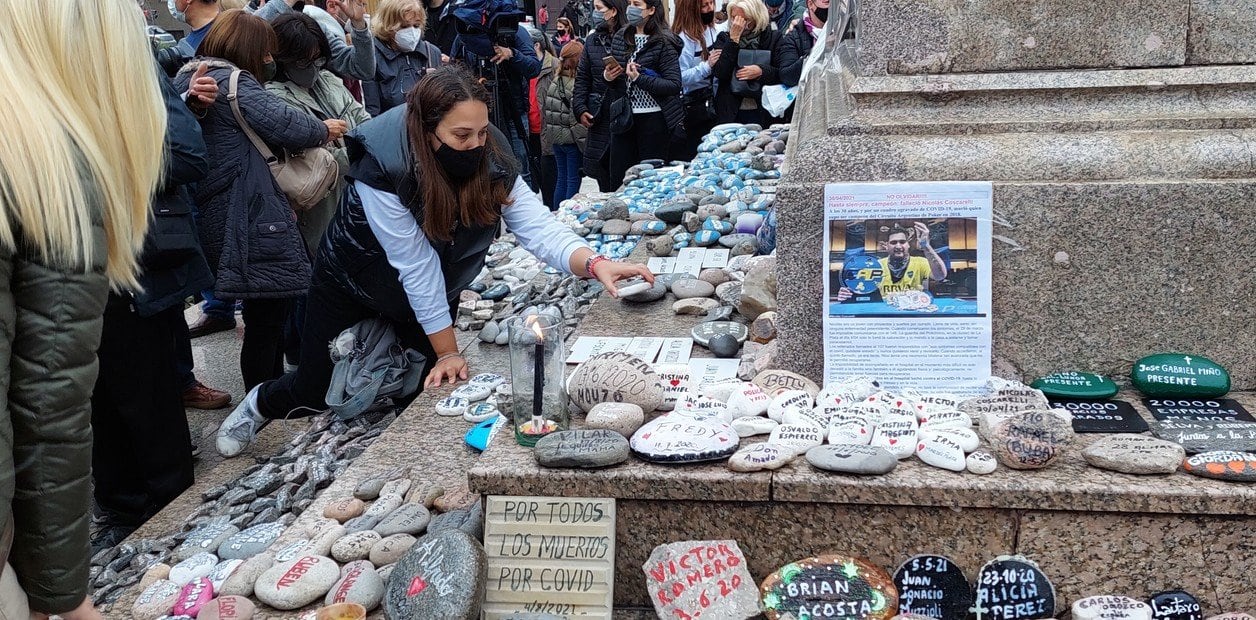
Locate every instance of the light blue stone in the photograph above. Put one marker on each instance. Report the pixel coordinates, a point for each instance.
(705, 237)
(654, 227)
(683, 237)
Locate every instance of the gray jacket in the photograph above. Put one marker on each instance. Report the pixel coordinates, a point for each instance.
(396, 72)
(355, 61)
(248, 231)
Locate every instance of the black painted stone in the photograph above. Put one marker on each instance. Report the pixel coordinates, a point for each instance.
(724, 345)
(1203, 409)
(1196, 437)
(478, 287)
(1175, 605)
(1102, 416)
(1013, 588)
(498, 292)
(933, 586)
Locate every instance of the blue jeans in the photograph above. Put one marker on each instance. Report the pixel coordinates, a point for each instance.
(568, 158)
(218, 308)
(520, 150)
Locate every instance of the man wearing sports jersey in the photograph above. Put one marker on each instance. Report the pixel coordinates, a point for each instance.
(900, 271)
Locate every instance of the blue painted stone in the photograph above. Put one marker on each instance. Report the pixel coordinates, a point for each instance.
(481, 435)
(718, 226)
(704, 238)
(654, 227)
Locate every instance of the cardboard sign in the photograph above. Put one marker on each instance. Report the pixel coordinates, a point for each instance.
(549, 555)
(1202, 409)
(1102, 416)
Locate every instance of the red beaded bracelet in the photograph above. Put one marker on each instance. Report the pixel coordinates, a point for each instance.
(592, 262)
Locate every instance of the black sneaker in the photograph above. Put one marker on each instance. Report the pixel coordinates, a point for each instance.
(110, 536)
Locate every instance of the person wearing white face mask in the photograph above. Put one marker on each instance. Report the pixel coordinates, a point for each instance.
(401, 54)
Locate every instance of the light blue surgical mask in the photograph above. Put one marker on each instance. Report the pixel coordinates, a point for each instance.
(178, 15)
(634, 15)
(596, 17)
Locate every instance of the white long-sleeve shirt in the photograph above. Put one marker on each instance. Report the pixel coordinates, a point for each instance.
(694, 72)
(418, 265)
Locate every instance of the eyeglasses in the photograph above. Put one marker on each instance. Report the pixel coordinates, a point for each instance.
(317, 63)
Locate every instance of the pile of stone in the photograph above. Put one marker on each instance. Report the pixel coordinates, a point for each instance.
(348, 556)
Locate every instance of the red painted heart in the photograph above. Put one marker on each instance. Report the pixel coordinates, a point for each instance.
(863, 431)
(645, 436)
(893, 441)
(920, 447)
(675, 382)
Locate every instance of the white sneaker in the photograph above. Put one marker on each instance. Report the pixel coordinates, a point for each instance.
(240, 427)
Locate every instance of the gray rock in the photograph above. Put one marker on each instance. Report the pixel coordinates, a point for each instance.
(758, 293)
(1030, 440)
(408, 519)
(489, 332)
(250, 542)
(697, 305)
(852, 459)
(691, 222)
(355, 546)
(204, 539)
(581, 449)
(369, 489)
(390, 549)
(1135, 454)
(722, 313)
(724, 345)
(661, 245)
(729, 293)
(674, 212)
(496, 292)
(616, 227)
(714, 566)
(714, 276)
(1197, 436)
(613, 209)
(453, 568)
(359, 583)
(731, 240)
(746, 247)
(295, 584)
(156, 600)
(688, 288)
(656, 292)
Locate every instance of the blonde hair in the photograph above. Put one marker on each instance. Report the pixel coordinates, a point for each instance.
(227, 5)
(391, 17)
(78, 143)
(755, 11)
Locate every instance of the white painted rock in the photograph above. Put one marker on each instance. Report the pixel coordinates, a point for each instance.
(240, 581)
(479, 412)
(945, 419)
(473, 392)
(298, 583)
(615, 378)
(796, 437)
(156, 600)
(192, 597)
(786, 399)
(488, 379)
(720, 389)
(452, 406)
(850, 430)
(966, 437)
(675, 381)
(359, 583)
(760, 457)
(1110, 608)
(356, 546)
(685, 437)
(898, 435)
(872, 411)
(195, 567)
(941, 450)
(749, 400)
(223, 570)
(694, 403)
(623, 418)
(981, 463)
(750, 426)
(808, 416)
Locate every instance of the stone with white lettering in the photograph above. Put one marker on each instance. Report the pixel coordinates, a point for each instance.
(796, 437)
(1223, 465)
(623, 418)
(1200, 436)
(206, 538)
(760, 457)
(1135, 454)
(1175, 605)
(195, 567)
(227, 608)
(223, 570)
(701, 578)
(1110, 608)
(685, 437)
(585, 449)
(852, 459)
(829, 586)
(933, 586)
(408, 519)
(298, 583)
(192, 597)
(615, 378)
(251, 541)
(443, 576)
(981, 463)
(359, 583)
(156, 600)
(750, 426)
(1014, 588)
(703, 332)
(1030, 440)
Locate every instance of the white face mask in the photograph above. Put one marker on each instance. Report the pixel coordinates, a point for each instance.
(172, 6)
(408, 38)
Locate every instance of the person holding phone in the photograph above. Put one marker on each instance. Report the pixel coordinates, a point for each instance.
(591, 102)
(647, 74)
(746, 34)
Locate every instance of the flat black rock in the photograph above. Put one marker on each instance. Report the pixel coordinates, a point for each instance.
(441, 576)
(933, 586)
(1175, 605)
(496, 293)
(724, 345)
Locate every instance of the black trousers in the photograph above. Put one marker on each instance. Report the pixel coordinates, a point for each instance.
(329, 310)
(544, 170)
(649, 138)
(141, 454)
(261, 353)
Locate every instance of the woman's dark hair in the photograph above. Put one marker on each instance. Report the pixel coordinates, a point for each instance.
(297, 35)
(566, 23)
(478, 200)
(688, 21)
(241, 39)
(620, 19)
(654, 24)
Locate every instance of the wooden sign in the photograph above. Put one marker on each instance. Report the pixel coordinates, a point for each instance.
(549, 555)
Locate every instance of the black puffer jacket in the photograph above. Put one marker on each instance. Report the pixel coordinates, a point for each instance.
(352, 257)
(660, 54)
(791, 54)
(248, 232)
(726, 103)
(590, 97)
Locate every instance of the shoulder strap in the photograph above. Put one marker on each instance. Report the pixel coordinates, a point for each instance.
(232, 96)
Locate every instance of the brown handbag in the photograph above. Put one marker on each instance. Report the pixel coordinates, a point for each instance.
(305, 176)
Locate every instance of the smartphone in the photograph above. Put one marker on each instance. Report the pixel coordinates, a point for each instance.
(610, 62)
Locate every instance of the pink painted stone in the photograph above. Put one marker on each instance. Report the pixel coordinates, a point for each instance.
(193, 596)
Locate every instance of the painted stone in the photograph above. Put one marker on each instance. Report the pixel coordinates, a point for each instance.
(450, 406)
(206, 538)
(750, 426)
(701, 578)
(251, 541)
(344, 509)
(898, 435)
(1177, 374)
(693, 403)
(1030, 440)
(1175, 605)
(492, 380)
(219, 575)
(797, 437)
(760, 457)
(1110, 608)
(623, 418)
(1196, 437)
(1074, 384)
(615, 377)
(981, 463)
(703, 332)
(943, 419)
(240, 581)
(829, 586)
(747, 401)
(473, 392)
(442, 576)
(789, 398)
(227, 608)
(807, 416)
(776, 381)
(1223, 465)
(941, 450)
(849, 429)
(156, 600)
(410, 518)
(933, 586)
(480, 412)
(358, 583)
(195, 567)
(852, 459)
(966, 437)
(1014, 588)
(355, 546)
(685, 437)
(1135, 454)
(390, 549)
(193, 596)
(298, 583)
(585, 448)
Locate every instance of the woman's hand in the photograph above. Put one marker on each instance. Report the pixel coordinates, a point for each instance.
(737, 27)
(750, 73)
(714, 57)
(610, 74)
(336, 129)
(610, 272)
(202, 90)
(586, 119)
(634, 71)
(448, 370)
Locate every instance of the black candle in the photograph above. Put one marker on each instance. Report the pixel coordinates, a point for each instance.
(538, 378)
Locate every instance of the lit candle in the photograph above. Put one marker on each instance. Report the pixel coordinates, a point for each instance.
(538, 377)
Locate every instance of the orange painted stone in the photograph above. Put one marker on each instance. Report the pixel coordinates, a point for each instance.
(1223, 465)
(829, 586)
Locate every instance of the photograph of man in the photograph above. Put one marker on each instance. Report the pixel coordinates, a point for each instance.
(899, 271)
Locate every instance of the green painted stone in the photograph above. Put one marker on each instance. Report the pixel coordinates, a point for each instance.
(1178, 374)
(1073, 384)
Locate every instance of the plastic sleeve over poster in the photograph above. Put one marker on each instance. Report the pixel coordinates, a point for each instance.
(907, 296)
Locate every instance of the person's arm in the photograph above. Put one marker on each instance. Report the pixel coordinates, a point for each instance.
(274, 121)
(372, 96)
(788, 57)
(419, 271)
(771, 72)
(937, 269)
(584, 76)
(695, 73)
(357, 61)
(187, 159)
(524, 58)
(667, 82)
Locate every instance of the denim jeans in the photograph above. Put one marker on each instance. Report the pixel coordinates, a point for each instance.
(217, 308)
(568, 158)
(520, 150)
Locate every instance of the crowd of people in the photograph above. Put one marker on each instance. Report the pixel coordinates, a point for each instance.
(312, 166)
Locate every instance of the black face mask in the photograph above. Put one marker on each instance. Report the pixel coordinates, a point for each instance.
(708, 17)
(822, 14)
(459, 164)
